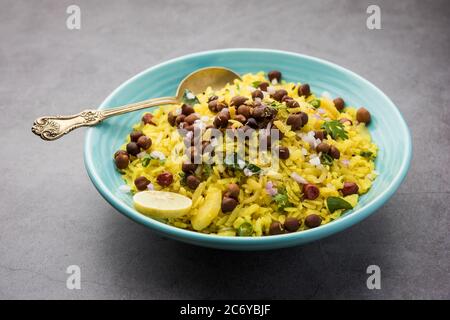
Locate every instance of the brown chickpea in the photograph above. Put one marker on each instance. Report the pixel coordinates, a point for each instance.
(334, 152)
(144, 142)
(134, 136)
(238, 100)
(141, 183)
(313, 220)
(363, 115)
(122, 160)
(295, 121)
(133, 148)
(244, 110)
(274, 74)
(310, 191)
(187, 109)
(275, 228)
(228, 204)
(339, 103)
(164, 179)
(279, 94)
(171, 117)
(304, 90)
(192, 182)
(233, 190)
(148, 119)
(323, 147)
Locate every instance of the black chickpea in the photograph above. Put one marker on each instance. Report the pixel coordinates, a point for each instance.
(291, 224)
(133, 148)
(144, 142)
(304, 90)
(334, 152)
(363, 115)
(274, 74)
(275, 228)
(313, 220)
(192, 182)
(257, 94)
(134, 136)
(228, 204)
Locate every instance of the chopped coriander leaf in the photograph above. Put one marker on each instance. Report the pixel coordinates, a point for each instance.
(183, 177)
(315, 103)
(207, 170)
(245, 230)
(282, 200)
(147, 158)
(256, 84)
(238, 164)
(253, 168)
(336, 203)
(366, 154)
(189, 98)
(277, 105)
(326, 159)
(335, 129)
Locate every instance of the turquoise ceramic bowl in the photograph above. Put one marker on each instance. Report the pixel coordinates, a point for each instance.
(388, 129)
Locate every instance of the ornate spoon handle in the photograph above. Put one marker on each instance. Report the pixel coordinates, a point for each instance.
(54, 127)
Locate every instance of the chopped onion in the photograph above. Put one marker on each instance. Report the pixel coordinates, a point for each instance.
(150, 186)
(345, 162)
(298, 178)
(158, 155)
(204, 118)
(258, 99)
(270, 189)
(248, 172)
(141, 155)
(251, 89)
(320, 111)
(274, 81)
(271, 90)
(315, 161)
(304, 151)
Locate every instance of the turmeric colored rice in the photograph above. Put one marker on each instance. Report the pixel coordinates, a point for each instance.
(269, 202)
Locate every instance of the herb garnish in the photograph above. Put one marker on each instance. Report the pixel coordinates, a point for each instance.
(189, 98)
(183, 177)
(326, 159)
(335, 129)
(245, 230)
(256, 84)
(366, 154)
(336, 203)
(315, 103)
(281, 199)
(238, 164)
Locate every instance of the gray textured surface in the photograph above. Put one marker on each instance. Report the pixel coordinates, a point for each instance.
(52, 217)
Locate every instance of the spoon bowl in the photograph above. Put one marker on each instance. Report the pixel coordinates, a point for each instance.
(53, 127)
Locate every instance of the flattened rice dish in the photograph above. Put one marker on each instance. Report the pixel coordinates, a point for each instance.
(259, 157)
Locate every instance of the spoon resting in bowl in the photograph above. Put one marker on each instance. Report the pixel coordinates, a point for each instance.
(53, 127)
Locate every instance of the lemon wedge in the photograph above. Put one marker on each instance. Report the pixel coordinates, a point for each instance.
(162, 204)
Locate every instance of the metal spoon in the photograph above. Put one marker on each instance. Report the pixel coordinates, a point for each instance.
(53, 127)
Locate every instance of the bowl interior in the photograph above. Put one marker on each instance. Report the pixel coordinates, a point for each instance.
(388, 130)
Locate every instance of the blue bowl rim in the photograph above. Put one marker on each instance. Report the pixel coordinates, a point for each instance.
(272, 241)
